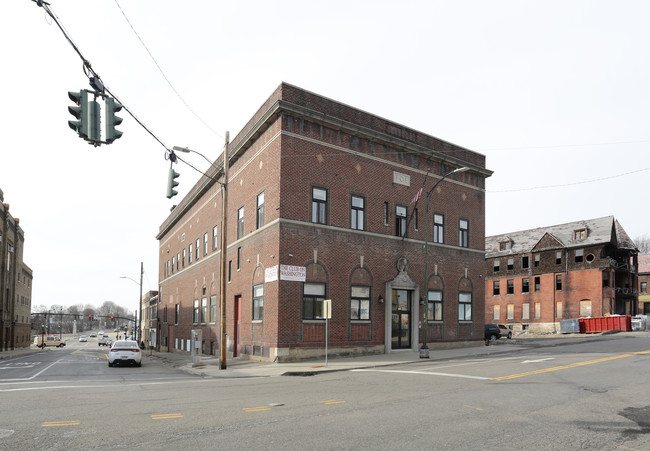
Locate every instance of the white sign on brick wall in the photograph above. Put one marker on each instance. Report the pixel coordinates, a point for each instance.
(286, 272)
(401, 179)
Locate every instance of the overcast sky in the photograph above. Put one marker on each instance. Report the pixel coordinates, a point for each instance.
(555, 93)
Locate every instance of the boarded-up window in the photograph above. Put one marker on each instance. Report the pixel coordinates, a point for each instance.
(510, 313)
(497, 313)
(558, 310)
(585, 308)
(525, 311)
(538, 310)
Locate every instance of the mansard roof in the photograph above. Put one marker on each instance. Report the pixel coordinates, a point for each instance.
(597, 231)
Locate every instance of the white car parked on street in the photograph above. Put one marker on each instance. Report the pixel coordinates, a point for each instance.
(125, 351)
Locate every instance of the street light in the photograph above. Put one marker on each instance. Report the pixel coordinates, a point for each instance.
(139, 314)
(424, 350)
(222, 263)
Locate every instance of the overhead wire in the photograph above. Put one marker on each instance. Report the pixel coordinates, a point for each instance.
(88, 68)
(163, 73)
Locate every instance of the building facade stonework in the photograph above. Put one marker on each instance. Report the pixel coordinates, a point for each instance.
(15, 283)
(537, 278)
(322, 206)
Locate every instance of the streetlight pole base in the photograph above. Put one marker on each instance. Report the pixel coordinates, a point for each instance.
(424, 352)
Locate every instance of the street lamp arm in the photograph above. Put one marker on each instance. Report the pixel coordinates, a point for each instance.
(457, 170)
(186, 150)
(132, 280)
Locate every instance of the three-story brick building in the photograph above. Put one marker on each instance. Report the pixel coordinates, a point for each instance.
(321, 205)
(536, 278)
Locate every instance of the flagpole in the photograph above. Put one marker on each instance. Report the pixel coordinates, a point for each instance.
(416, 199)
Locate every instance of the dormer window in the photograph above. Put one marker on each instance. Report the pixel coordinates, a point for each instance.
(504, 245)
(580, 234)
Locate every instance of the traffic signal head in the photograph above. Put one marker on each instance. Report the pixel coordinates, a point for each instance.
(112, 107)
(112, 317)
(90, 316)
(171, 183)
(80, 112)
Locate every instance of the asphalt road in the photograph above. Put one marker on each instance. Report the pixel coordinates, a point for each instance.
(586, 396)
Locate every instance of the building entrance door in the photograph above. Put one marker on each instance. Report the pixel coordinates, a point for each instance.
(401, 319)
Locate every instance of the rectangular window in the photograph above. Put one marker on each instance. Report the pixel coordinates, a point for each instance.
(258, 302)
(463, 233)
(177, 309)
(525, 311)
(359, 303)
(438, 229)
(536, 260)
(213, 308)
(205, 246)
(319, 205)
(538, 310)
(400, 220)
(558, 281)
(184, 258)
(173, 264)
(585, 308)
(496, 288)
(525, 286)
(190, 255)
(238, 258)
(605, 278)
(195, 316)
(524, 262)
(312, 300)
(178, 261)
(434, 308)
(464, 306)
(240, 223)
(558, 258)
(511, 287)
(215, 239)
(644, 287)
(497, 265)
(496, 313)
(385, 213)
(198, 247)
(204, 310)
(357, 212)
(538, 284)
(259, 222)
(558, 310)
(229, 270)
(510, 311)
(580, 234)
(579, 255)
(415, 219)
(504, 245)
(511, 264)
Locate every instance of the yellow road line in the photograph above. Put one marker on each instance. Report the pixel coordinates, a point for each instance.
(60, 423)
(331, 401)
(256, 409)
(166, 416)
(565, 367)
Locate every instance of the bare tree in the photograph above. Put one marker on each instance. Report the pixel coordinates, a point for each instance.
(643, 244)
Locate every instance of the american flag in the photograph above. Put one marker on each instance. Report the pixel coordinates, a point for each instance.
(417, 195)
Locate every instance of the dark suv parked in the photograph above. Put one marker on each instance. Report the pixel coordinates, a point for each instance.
(492, 332)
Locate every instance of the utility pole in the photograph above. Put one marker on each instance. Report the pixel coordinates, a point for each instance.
(222, 300)
(140, 304)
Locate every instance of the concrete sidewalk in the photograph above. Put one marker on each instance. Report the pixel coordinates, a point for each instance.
(238, 368)
(209, 366)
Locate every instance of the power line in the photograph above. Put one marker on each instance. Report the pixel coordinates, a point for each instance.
(88, 67)
(563, 185)
(561, 146)
(163, 73)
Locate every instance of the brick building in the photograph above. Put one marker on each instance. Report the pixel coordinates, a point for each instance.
(15, 283)
(535, 278)
(321, 205)
(644, 278)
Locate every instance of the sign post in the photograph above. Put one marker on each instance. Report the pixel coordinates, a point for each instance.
(327, 314)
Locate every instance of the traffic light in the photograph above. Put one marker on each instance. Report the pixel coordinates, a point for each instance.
(80, 112)
(171, 183)
(112, 317)
(112, 107)
(90, 317)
